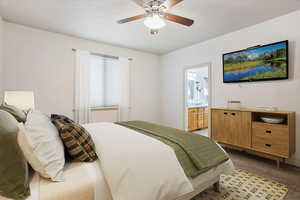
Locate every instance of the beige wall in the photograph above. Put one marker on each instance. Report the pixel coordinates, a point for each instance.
(282, 94)
(44, 62)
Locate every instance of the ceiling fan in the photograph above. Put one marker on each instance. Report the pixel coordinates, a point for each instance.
(156, 14)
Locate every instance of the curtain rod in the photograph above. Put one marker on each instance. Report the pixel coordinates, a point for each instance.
(103, 55)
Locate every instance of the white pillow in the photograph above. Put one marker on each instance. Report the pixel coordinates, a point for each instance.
(42, 146)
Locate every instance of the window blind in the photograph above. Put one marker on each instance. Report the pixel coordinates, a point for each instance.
(104, 81)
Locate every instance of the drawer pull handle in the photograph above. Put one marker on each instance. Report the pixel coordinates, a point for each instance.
(268, 145)
(225, 113)
(233, 114)
(268, 131)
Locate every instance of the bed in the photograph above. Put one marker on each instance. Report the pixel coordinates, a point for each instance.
(85, 181)
(105, 179)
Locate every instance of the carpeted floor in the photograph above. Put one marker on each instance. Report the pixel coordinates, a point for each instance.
(286, 174)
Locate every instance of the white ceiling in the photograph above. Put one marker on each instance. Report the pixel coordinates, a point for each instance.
(96, 19)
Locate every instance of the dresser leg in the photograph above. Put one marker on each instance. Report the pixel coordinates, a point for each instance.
(278, 163)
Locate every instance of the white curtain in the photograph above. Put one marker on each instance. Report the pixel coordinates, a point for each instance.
(125, 104)
(82, 111)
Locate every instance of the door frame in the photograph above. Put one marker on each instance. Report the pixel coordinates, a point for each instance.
(185, 108)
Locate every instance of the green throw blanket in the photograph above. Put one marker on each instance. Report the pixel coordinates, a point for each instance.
(196, 154)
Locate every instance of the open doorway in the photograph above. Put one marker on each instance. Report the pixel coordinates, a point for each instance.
(197, 99)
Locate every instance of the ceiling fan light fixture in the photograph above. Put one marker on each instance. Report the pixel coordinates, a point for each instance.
(154, 22)
(156, 16)
(153, 32)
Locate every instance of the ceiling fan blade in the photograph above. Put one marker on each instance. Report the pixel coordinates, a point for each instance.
(179, 19)
(140, 3)
(170, 3)
(130, 19)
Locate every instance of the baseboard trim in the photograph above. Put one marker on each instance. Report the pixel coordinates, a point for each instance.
(294, 162)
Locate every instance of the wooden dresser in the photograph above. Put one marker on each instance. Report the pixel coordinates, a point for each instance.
(197, 118)
(244, 129)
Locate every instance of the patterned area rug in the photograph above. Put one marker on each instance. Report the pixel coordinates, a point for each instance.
(245, 186)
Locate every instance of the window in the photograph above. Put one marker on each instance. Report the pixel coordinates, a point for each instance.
(104, 81)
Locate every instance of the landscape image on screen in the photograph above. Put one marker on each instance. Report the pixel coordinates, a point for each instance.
(266, 62)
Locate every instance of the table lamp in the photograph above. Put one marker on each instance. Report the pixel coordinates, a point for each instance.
(23, 100)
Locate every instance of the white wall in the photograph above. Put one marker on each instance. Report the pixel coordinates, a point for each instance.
(1, 59)
(282, 94)
(44, 62)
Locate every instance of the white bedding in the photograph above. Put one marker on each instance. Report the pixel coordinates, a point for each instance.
(123, 177)
(137, 166)
(100, 189)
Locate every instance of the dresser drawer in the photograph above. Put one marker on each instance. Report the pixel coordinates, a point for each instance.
(270, 138)
(270, 132)
(273, 147)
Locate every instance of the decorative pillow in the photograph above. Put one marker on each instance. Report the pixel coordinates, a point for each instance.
(61, 117)
(42, 146)
(28, 151)
(76, 139)
(14, 182)
(16, 112)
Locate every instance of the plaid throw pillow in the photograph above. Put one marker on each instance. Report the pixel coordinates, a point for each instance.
(76, 139)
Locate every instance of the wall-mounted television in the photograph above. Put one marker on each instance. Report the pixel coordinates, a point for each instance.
(260, 63)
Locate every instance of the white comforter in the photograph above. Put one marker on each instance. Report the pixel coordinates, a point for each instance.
(138, 167)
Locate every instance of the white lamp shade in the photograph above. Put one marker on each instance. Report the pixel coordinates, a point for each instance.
(154, 22)
(21, 99)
